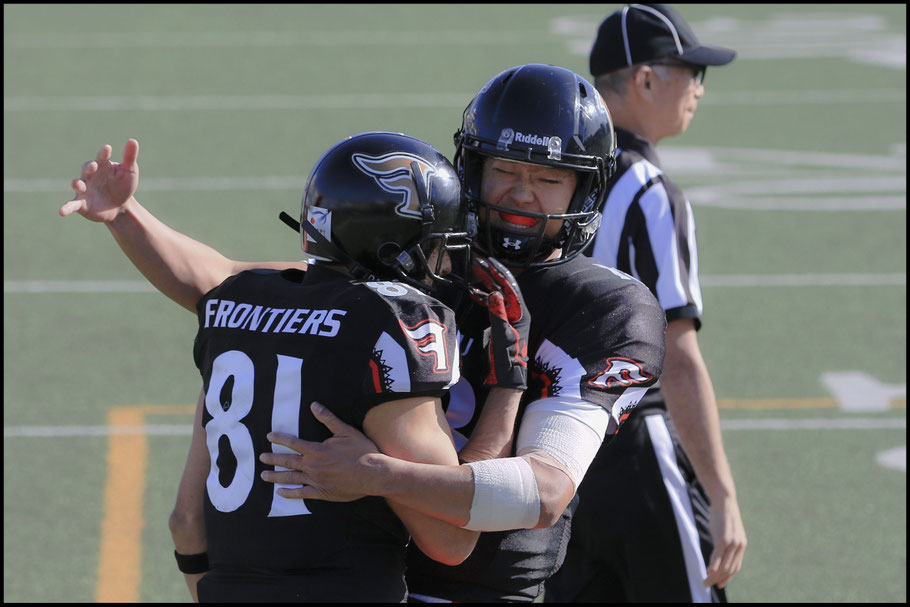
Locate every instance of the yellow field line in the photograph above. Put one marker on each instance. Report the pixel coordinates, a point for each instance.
(120, 562)
(791, 403)
(121, 529)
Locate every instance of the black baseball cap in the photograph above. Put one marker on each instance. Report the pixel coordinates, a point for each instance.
(638, 33)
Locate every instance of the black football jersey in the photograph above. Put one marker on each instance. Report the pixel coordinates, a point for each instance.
(596, 334)
(269, 344)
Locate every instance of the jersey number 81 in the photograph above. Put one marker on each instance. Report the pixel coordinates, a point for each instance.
(285, 418)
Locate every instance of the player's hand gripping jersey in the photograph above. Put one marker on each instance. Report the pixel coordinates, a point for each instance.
(596, 339)
(304, 337)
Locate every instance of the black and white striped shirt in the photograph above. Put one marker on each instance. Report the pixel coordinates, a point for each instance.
(648, 230)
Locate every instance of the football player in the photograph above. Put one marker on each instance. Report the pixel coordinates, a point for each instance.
(535, 151)
(382, 217)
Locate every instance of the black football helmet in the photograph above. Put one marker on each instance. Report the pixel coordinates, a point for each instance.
(546, 115)
(379, 203)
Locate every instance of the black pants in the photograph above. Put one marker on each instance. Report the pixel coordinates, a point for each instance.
(266, 586)
(640, 533)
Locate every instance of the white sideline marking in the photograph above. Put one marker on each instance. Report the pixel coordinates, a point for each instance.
(848, 423)
(716, 280)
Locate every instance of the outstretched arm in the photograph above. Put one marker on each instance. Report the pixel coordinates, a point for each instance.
(180, 267)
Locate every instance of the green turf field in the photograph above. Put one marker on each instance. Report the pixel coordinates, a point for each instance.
(795, 165)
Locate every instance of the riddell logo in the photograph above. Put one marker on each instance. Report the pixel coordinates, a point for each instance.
(553, 144)
(532, 139)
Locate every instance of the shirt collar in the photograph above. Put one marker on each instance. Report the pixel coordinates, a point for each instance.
(627, 140)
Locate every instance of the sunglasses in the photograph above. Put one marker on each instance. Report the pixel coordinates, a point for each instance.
(698, 71)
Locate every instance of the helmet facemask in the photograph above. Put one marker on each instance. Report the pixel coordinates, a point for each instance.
(532, 249)
(437, 259)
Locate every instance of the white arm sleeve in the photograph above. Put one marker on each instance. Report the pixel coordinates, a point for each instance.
(505, 495)
(570, 429)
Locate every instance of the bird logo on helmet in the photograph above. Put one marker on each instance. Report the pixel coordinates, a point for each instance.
(393, 173)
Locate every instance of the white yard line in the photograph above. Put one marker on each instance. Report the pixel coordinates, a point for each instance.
(847, 423)
(813, 97)
(355, 101)
(77, 286)
(168, 184)
(802, 280)
(274, 39)
(368, 101)
(63, 431)
(717, 280)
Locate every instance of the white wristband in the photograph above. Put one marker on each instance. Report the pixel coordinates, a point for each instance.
(505, 495)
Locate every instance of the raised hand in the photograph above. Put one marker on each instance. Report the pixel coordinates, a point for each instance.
(105, 186)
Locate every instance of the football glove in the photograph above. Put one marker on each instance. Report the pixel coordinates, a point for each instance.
(494, 288)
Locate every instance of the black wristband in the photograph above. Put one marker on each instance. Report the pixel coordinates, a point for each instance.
(192, 563)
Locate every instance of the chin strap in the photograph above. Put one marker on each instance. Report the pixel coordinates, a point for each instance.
(357, 270)
(290, 221)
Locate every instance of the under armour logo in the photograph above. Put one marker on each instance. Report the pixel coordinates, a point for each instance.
(508, 242)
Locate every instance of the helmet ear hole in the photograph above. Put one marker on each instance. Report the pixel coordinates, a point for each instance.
(393, 256)
(388, 252)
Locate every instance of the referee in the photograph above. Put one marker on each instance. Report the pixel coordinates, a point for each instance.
(658, 519)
